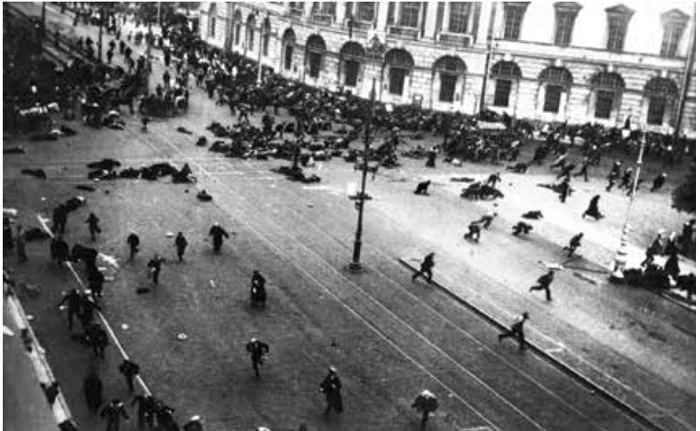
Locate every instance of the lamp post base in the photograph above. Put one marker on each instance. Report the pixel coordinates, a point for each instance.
(355, 266)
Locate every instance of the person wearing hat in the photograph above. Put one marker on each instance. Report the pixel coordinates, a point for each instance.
(133, 241)
(426, 268)
(218, 233)
(658, 182)
(655, 248)
(574, 243)
(592, 209)
(180, 245)
(112, 413)
(146, 410)
(129, 370)
(543, 284)
(257, 350)
(330, 386)
(154, 266)
(516, 330)
(425, 403)
(493, 179)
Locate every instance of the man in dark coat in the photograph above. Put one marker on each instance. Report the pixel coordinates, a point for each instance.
(154, 266)
(93, 225)
(129, 370)
(422, 188)
(59, 250)
(574, 243)
(257, 350)
(564, 190)
(97, 338)
(521, 227)
(592, 209)
(218, 233)
(134, 241)
(180, 245)
(87, 310)
(426, 268)
(96, 282)
(543, 284)
(658, 182)
(113, 413)
(493, 179)
(516, 330)
(59, 219)
(330, 386)
(74, 300)
(146, 410)
(92, 386)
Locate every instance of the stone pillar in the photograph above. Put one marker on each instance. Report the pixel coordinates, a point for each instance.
(307, 9)
(340, 13)
(382, 12)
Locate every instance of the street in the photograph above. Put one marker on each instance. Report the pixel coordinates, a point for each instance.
(388, 337)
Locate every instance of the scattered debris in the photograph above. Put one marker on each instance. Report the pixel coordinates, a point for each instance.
(15, 150)
(184, 130)
(204, 196)
(86, 188)
(38, 173)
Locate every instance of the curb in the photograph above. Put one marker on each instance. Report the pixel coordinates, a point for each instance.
(556, 362)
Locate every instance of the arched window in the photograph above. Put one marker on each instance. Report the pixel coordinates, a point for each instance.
(250, 31)
(662, 94)
(352, 55)
(288, 41)
(315, 49)
(505, 73)
(237, 23)
(266, 30)
(449, 69)
(212, 20)
(608, 88)
(400, 65)
(556, 81)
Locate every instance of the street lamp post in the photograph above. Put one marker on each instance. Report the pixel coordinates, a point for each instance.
(617, 275)
(99, 36)
(260, 48)
(355, 265)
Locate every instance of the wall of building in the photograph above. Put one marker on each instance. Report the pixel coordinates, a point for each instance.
(584, 58)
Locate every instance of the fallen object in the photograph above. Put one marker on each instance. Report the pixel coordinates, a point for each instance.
(533, 215)
(202, 141)
(38, 173)
(15, 150)
(86, 188)
(107, 164)
(204, 196)
(35, 234)
(183, 130)
(462, 179)
(74, 203)
(142, 290)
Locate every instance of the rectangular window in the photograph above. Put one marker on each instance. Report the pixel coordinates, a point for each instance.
(396, 80)
(365, 11)
(669, 43)
(448, 83)
(459, 17)
(552, 98)
(390, 13)
(212, 27)
(266, 44)
(408, 14)
(237, 35)
(288, 55)
(655, 115)
(565, 26)
(513, 18)
(603, 104)
(251, 38)
(502, 96)
(314, 64)
(617, 29)
(352, 69)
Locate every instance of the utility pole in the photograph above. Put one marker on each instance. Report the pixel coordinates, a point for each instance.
(617, 275)
(690, 61)
(489, 53)
(99, 35)
(355, 265)
(260, 48)
(43, 19)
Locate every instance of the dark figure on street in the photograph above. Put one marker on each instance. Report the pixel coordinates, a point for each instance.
(129, 370)
(656, 248)
(93, 224)
(671, 267)
(330, 386)
(658, 182)
(113, 414)
(566, 171)
(154, 266)
(474, 233)
(257, 350)
(613, 175)
(21, 244)
(92, 386)
(96, 337)
(194, 424)
(180, 245)
(671, 245)
(432, 155)
(518, 168)
(564, 190)
(144, 123)
(60, 251)
(258, 293)
(96, 282)
(422, 188)
(146, 410)
(574, 243)
(110, 54)
(486, 220)
(133, 241)
(218, 233)
(73, 299)
(8, 241)
(543, 284)
(516, 330)
(493, 179)
(426, 268)
(584, 169)
(59, 219)
(592, 209)
(426, 403)
(625, 183)
(521, 227)
(87, 310)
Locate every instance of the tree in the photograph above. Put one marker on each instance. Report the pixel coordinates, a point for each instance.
(684, 194)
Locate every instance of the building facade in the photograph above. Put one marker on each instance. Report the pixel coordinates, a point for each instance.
(553, 61)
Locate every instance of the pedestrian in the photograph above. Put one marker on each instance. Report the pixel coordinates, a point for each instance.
(92, 387)
(146, 410)
(564, 190)
(180, 245)
(592, 209)
(474, 233)
(422, 188)
(144, 123)
(113, 413)
(626, 178)
(658, 182)
(432, 155)
(487, 219)
(516, 330)
(59, 219)
(671, 245)
(129, 370)
(257, 350)
(493, 179)
(59, 250)
(218, 233)
(133, 241)
(656, 248)
(166, 79)
(97, 338)
(21, 244)
(73, 299)
(110, 54)
(258, 294)
(426, 268)
(330, 387)
(574, 243)
(566, 171)
(584, 169)
(96, 282)
(521, 227)
(93, 224)
(426, 403)
(543, 283)
(154, 266)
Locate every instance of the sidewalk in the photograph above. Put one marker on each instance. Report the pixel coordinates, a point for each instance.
(609, 374)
